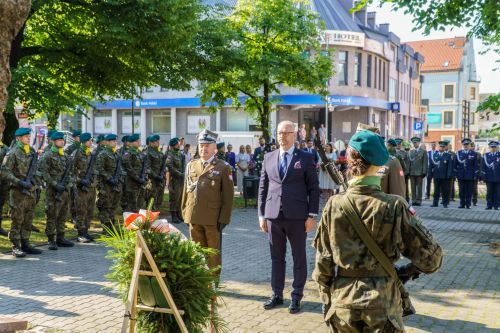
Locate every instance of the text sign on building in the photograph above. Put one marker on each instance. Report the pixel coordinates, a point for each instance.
(418, 125)
(340, 37)
(434, 118)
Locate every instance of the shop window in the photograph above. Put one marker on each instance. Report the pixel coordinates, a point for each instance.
(379, 74)
(392, 89)
(343, 68)
(161, 121)
(369, 71)
(375, 75)
(239, 121)
(383, 79)
(448, 119)
(449, 92)
(358, 58)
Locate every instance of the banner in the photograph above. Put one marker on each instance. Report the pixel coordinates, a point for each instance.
(196, 124)
(102, 125)
(127, 124)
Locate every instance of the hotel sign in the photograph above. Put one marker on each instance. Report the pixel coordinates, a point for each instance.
(340, 37)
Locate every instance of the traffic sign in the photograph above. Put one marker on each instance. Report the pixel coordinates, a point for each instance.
(418, 125)
(395, 107)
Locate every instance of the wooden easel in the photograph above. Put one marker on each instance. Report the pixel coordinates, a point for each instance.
(132, 307)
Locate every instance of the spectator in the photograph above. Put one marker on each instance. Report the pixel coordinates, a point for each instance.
(297, 144)
(187, 154)
(260, 149)
(313, 133)
(303, 145)
(326, 184)
(251, 163)
(242, 163)
(322, 133)
(302, 133)
(231, 159)
(309, 148)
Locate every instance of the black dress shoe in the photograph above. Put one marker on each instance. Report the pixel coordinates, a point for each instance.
(445, 206)
(488, 208)
(434, 205)
(294, 306)
(461, 207)
(468, 207)
(273, 302)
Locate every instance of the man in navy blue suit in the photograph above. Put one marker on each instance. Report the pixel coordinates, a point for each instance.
(311, 150)
(288, 206)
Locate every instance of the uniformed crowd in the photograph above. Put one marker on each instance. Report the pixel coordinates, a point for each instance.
(76, 179)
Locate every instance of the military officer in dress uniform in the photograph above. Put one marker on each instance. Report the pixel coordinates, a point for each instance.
(357, 292)
(466, 168)
(490, 173)
(207, 197)
(418, 170)
(4, 187)
(453, 155)
(429, 177)
(472, 148)
(404, 155)
(156, 171)
(135, 167)
(441, 168)
(68, 151)
(176, 167)
(22, 201)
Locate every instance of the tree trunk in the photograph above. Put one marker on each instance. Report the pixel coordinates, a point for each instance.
(13, 14)
(264, 117)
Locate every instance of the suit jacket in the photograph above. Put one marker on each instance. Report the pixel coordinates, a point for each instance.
(314, 153)
(418, 162)
(297, 195)
(441, 166)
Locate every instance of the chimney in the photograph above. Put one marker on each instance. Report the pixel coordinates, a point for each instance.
(370, 19)
(384, 28)
(361, 15)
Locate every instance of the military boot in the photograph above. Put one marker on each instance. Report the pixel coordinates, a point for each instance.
(34, 229)
(179, 217)
(82, 237)
(28, 249)
(175, 219)
(52, 243)
(3, 232)
(89, 236)
(60, 241)
(17, 251)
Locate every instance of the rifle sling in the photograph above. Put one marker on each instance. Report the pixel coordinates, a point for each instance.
(367, 239)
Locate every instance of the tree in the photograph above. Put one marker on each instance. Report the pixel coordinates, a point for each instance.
(270, 43)
(72, 52)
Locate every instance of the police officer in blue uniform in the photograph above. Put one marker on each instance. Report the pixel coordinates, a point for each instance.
(490, 173)
(441, 169)
(466, 167)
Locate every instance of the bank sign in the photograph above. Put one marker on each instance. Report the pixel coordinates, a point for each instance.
(340, 37)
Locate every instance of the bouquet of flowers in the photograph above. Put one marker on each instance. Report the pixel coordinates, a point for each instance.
(188, 277)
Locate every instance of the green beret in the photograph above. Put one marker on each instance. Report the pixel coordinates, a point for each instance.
(148, 140)
(124, 138)
(154, 138)
(51, 131)
(84, 137)
(57, 135)
(133, 137)
(22, 131)
(371, 147)
(220, 144)
(392, 142)
(99, 138)
(173, 141)
(76, 133)
(110, 137)
(415, 139)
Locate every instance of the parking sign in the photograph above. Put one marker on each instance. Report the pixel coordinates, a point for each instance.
(417, 126)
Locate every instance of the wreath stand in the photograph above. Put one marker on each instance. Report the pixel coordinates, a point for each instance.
(132, 307)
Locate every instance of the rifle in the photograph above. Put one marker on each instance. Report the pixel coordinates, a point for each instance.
(31, 172)
(88, 173)
(40, 145)
(329, 166)
(118, 172)
(163, 168)
(142, 175)
(65, 178)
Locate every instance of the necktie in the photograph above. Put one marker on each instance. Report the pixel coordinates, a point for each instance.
(283, 165)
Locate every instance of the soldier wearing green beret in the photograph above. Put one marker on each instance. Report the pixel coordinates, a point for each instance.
(358, 286)
(419, 163)
(121, 151)
(49, 141)
(4, 186)
(101, 143)
(221, 151)
(176, 166)
(68, 151)
(55, 165)
(109, 181)
(156, 171)
(85, 187)
(134, 165)
(15, 167)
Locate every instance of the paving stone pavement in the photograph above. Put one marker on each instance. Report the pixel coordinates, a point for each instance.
(66, 289)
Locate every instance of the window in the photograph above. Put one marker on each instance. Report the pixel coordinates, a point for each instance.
(163, 89)
(149, 89)
(472, 119)
(393, 49)
(375, 75)
(392, 89)
(239, 121)
(379, 73)
(448, 119)
(401, 91)
(407, 60)
(417, 67)
(472, 93)
(343, 68)
(358, 58)
(369, 71)
(160, 121)
(449, 92)
(383, 78)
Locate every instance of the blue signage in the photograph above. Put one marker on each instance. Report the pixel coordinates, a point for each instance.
(417, 126)
(434, 118)
(43, 131)
(395, 107)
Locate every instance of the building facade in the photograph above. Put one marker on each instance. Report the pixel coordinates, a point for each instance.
(449, 79)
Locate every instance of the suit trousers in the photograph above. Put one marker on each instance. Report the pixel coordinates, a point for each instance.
(475, 192)
(416, 189)
(208, 236)
(279, 230)
(441, 188)
(465, 188)
(452, 189)
(429, 179)
(493, 194)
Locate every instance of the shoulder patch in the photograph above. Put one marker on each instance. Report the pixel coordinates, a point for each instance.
(412, 211)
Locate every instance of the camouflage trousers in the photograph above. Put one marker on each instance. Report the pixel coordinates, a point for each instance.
(85, 205)
(56, 212)
(107, 202)
(156, 193)
(4, 194)
(72, 206)
(123, 200)
(22, 212)
(175, 195)
(365, 321)
(135, 199)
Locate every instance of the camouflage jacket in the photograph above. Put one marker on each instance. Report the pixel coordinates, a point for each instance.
(52, 166)
(133, 161)
(16, 165)
(403, 156)
(105, 165)
(155, 162)
(396, 231)
(81, 164)
(176, 164)
(72, 147)
(3, 152)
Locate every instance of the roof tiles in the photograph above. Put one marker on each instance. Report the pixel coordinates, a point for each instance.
(440, 54)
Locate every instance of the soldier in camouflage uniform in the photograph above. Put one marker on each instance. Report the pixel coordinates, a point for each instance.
(176, 167)
(156, 175)
(123, 149)
(406, 170)
(4, 187)
(109, 183)
(357, 293)
(134, 164)
(221, 151)
(101, 143)
(49, 142)
(22, 194)
(53, 165)
(69, 151)
(85, 187)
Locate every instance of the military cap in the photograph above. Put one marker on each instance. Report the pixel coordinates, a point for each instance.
(415, 139)
(398, 141)
(148, 140)
(173, 142)
(84, 137)
(493, 144)
(22, 131)
(51, 131)
(110, 137)
(362, 127)
(443, 143)
(57, 135)
(220, 144)
(124, 138)
(207, 136)
(99, 138)
(392, 142)
(154, 138)
(76, 133)
(371, 147)
(466, 141)
(133, 137)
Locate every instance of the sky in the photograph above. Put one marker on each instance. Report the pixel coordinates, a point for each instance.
(402, 26)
